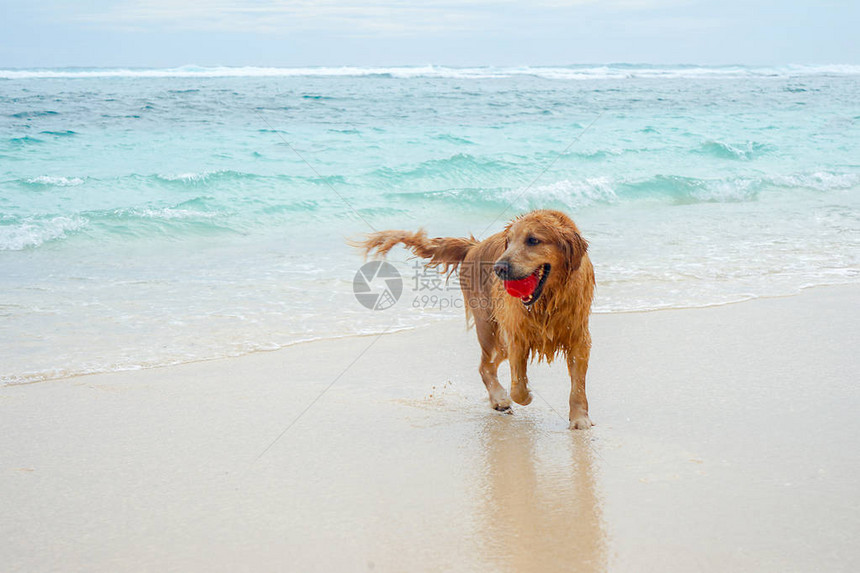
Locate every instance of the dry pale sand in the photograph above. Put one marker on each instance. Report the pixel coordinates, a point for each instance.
(727, 440)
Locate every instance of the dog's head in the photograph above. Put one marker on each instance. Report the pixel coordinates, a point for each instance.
(542, 249)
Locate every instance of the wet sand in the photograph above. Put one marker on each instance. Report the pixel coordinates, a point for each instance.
(726, 440)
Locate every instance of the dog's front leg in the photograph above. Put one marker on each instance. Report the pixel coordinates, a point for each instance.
(520, 392)
(577, 366)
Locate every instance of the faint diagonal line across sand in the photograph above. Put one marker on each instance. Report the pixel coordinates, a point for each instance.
(320, 395)
(539, 395)
(323, 179)
(545, 169)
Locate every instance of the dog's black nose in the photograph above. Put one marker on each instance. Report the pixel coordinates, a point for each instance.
(502, 269)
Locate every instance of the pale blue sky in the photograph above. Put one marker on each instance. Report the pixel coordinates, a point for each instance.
(162, 33)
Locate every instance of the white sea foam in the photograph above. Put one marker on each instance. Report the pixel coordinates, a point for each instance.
(573, 194)
(167, 214)
(56, 181)
(33, 232)
(820, 181)
(560, 73)
(185, 177)
(727, 191)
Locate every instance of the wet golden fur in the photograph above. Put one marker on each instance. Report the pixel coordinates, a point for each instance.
(557, 322)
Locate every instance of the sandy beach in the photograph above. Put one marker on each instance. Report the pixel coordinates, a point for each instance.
(726, 440)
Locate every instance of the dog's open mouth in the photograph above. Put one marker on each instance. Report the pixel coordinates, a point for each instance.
(528, 288)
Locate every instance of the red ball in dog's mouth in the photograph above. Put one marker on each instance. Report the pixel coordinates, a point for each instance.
(524, 288)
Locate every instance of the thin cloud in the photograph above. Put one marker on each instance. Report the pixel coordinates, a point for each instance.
(384, 17)
(277, 16)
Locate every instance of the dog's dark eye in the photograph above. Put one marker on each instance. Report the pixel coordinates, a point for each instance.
(533, 241)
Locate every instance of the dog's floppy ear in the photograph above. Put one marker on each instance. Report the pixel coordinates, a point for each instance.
(574, 247)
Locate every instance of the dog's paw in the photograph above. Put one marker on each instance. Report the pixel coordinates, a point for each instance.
(502, 405)
(521, 395)
(581, 422)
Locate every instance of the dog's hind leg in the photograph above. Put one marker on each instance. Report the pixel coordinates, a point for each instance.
(490, 358)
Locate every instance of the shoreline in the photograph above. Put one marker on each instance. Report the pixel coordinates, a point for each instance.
(725, 439)
(442, 320)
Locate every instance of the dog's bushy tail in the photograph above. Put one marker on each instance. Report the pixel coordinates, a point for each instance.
(445, 253)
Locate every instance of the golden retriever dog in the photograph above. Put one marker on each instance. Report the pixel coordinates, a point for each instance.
(529, 290)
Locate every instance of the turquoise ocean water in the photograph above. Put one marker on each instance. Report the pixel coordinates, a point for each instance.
(152, 217)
